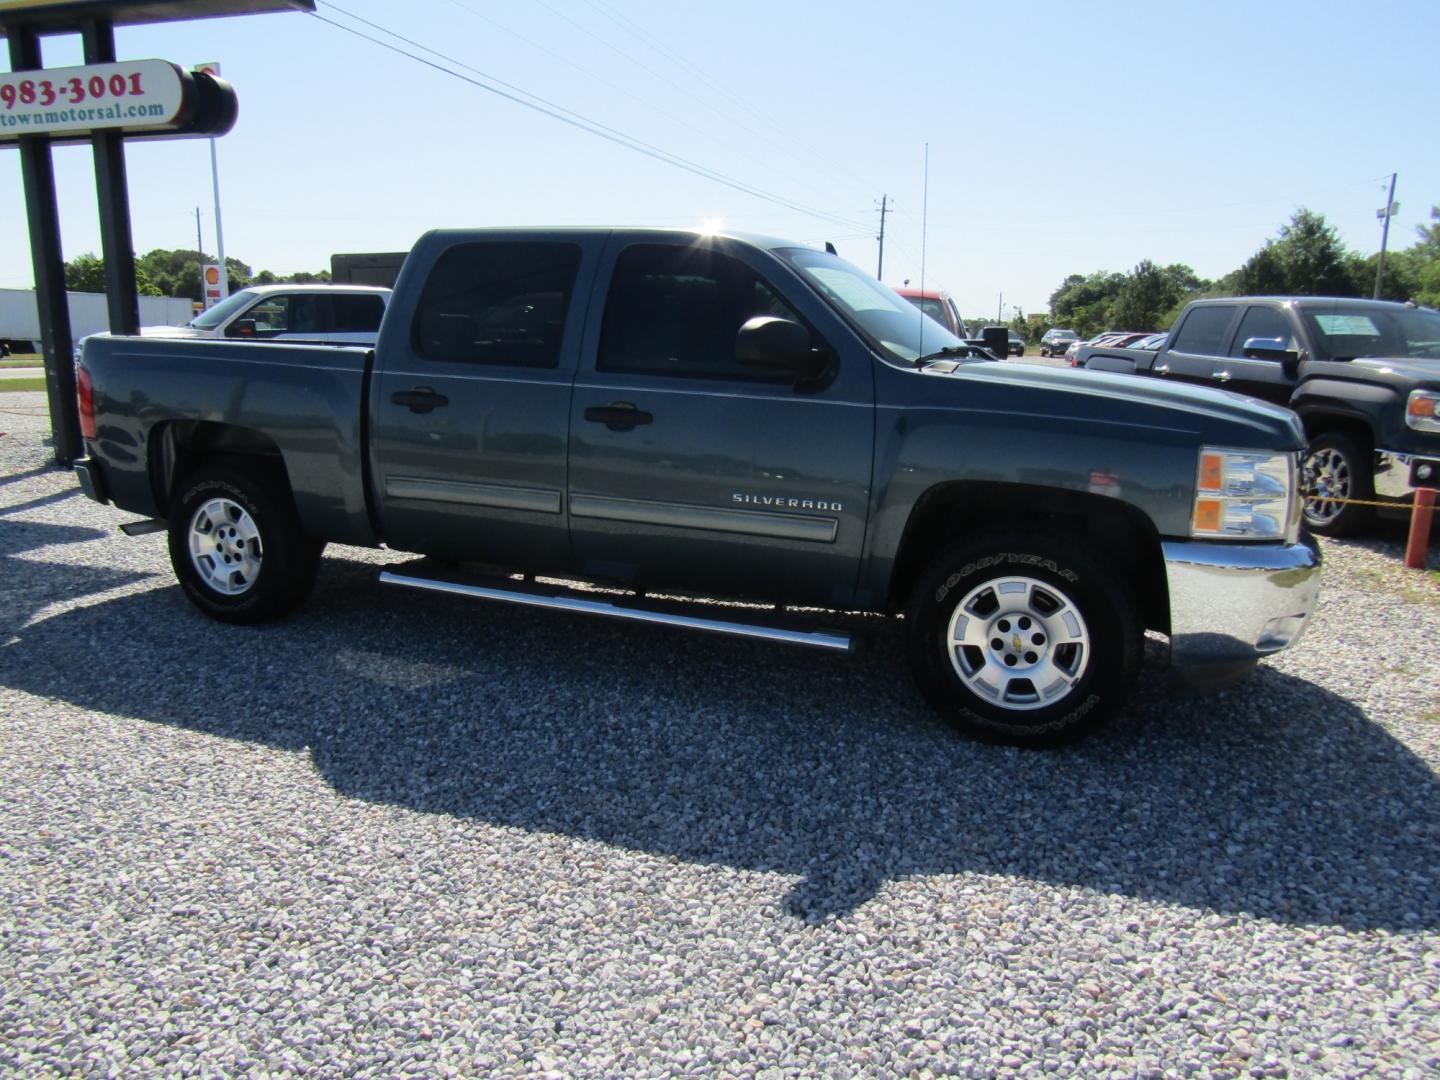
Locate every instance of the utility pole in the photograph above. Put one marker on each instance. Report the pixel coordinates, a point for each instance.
(1385, 215)
(1000, 309)
(200, 247)
(880, 267)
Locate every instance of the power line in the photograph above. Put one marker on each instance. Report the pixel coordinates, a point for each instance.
(691, 69)
(646, 102)
(567, 116)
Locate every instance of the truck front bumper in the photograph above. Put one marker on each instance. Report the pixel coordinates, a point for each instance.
(1231, 604)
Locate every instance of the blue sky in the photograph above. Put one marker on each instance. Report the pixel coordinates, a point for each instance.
(1063, 137)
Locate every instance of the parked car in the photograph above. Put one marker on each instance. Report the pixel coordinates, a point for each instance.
(1120, 339)
(337, 313)
(731, 416)
(1364, 376)
(1054, 342)
(1014, 343)
(939, 306)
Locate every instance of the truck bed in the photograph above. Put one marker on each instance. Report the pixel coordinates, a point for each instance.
(302, 402)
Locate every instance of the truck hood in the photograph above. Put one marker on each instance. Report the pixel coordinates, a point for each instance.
(1103, 398)
(172, 332)
(1392, 369)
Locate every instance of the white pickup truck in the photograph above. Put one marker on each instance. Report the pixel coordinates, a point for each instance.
(335, 313)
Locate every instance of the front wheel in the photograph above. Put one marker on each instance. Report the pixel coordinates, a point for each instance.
(1023, 638)
(1336, 470)
(237, 548)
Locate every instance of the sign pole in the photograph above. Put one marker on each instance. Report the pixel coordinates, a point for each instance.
(38, 171)
(116, 244)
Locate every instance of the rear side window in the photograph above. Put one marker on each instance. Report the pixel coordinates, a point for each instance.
(676, 310)
(1204, 331)
(1262, 322)
(498, 302)
(355, 314)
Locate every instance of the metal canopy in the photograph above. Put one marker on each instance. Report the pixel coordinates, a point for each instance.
(68, 16)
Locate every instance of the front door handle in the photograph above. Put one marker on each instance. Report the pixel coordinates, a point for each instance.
(1221, 376)
(422, 399)
(1162, 369)
(618, 415)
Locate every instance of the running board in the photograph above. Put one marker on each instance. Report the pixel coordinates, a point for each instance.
(557, 599)
(144, 527)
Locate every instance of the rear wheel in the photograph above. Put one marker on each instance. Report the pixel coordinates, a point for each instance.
(1336, 470)
(237, 548)
(1023, 638)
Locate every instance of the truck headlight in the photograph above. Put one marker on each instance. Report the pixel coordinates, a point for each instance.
(1245, 495)
(1422, 410)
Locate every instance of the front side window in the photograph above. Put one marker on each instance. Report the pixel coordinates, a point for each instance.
(885, 318)
(1203, 333)
(675, 311)
(497, 302)
(1263, 322)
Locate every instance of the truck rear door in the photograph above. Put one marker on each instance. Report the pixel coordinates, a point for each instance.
(469, 404)
(686, 467)
(1196, 349)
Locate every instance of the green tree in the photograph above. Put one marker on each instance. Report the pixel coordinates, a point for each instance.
(1083, 301)
(1145, 295)
(86, 273)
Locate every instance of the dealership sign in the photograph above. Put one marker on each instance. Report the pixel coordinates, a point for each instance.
(137, 95)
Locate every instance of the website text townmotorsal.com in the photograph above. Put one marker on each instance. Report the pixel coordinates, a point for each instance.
(78, 116)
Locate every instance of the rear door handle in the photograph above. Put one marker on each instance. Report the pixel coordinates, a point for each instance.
(422, 399)
(618, 415)
(1221, 376)
(1162, 369)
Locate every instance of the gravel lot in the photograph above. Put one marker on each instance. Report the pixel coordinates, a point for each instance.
(405, 834)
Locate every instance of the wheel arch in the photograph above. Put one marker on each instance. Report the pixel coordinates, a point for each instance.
(1122, 536)
(180, 447)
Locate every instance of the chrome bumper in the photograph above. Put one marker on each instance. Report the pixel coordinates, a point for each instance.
(1395, 473)
(1231, 604)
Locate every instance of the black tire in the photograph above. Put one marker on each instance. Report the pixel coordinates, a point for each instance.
(262, 565)
(1337, 467)
(1059, 582)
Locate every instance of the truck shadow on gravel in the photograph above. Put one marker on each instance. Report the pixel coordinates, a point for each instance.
(1278, 799)
(27, 586)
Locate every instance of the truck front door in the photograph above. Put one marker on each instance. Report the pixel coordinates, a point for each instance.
(689, 469)
(1266, 379)
(470, 405)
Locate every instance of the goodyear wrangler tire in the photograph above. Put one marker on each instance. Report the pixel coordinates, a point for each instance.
(1023, 638)
(237, 548)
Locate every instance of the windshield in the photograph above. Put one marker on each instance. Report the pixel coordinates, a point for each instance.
(883, 316)
(211, 319)
(1345, 333)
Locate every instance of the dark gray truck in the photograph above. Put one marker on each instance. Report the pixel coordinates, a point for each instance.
(728, 417)
(1363, 375)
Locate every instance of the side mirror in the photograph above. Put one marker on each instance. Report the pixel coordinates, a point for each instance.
(1268, 348)
(241, 328)
(779, 346)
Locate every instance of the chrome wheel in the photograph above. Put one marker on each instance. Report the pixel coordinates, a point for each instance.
(1018, 642)
(224, 546)
(1329, 480)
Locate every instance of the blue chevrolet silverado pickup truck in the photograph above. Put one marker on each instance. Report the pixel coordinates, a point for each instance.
(728, 416)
